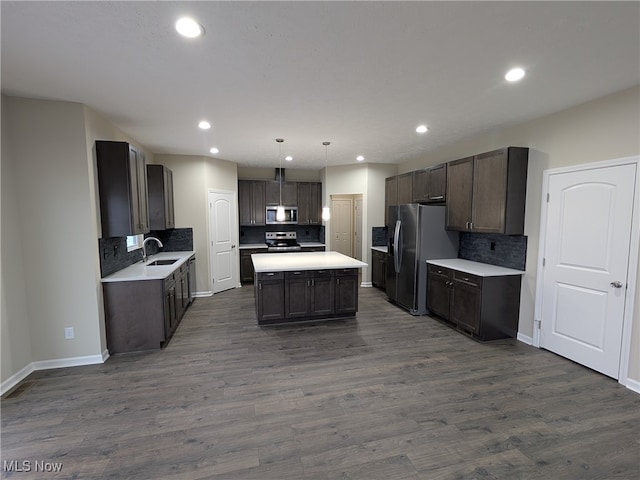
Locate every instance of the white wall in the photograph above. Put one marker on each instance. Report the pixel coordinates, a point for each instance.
(604, 129)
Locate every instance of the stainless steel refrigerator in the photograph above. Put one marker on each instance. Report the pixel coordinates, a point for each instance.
(416, 234)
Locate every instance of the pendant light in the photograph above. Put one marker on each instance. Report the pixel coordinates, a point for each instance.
(326, 213)
(280, 209)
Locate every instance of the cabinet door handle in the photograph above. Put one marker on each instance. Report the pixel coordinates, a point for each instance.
(439, 197)
(270, 274)
(337, 281)
(259, 285)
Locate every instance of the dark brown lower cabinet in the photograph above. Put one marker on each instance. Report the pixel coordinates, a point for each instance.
(346, 291)
(487, 308)
(144, 314)
(303, 295)
(246, 265)
(378, 269)
(269, 296)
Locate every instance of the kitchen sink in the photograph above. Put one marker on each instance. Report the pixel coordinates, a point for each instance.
(159, 263)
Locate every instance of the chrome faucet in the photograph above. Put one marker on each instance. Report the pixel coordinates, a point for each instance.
(144, 245)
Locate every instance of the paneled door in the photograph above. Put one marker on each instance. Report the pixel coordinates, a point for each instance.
(342, 225)
(585, 264)
(223, 243)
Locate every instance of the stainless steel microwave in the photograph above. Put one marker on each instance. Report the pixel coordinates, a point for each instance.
(290, 215)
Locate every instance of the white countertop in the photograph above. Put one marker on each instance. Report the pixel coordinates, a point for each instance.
(244, 246)
(286, 262)
(384, 249)
(475, 268)
(140, 271)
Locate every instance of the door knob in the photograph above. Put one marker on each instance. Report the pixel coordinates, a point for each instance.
(616, 284)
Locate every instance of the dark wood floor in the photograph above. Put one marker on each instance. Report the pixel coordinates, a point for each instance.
(384, 396)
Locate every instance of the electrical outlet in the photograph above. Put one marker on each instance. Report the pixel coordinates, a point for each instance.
(68, 333)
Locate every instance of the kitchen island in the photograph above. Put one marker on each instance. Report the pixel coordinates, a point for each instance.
(305, 286)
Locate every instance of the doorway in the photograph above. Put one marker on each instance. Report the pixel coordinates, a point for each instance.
(346, 225)
(587, 264)
(222, 240)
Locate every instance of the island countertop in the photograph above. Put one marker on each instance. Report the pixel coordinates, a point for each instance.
(287, 262)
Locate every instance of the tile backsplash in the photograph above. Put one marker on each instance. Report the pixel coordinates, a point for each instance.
(304, 233)
(379, 236)
(508, 251)
(114, 255)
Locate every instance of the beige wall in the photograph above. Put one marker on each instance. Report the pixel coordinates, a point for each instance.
(54, 217)
(15, 327)
(50, 231)
(193, 176)
(367, 180)
(291, 174)
(604, 129)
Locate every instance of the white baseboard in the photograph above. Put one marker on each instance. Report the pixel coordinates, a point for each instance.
(203, 294)
(633, 385)
(525, 338)
(16, 378)
(68, 362)
(366, 284)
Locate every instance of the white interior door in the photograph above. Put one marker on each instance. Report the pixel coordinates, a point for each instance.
(223, 231)
(586, 264)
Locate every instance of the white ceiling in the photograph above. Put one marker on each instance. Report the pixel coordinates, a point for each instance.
(362, 75)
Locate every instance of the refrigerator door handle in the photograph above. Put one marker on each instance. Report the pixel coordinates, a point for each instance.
(398, 248)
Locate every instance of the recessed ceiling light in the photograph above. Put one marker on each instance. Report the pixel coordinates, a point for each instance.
(214, 150)
(204, 125)
(359, 158)
(188, 27)
(422, 129)
(514, 74)
(288, 158)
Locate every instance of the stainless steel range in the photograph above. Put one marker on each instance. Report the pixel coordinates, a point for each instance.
(282, 242)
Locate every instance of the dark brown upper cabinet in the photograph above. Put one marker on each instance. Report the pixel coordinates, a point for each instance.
(251, 202)
(122, 184)
(309, 203)
(430, 185)
(398, 190)
(486, 193)
(160, 187)
(289, 193)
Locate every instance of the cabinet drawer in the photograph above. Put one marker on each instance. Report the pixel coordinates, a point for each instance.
(442, 271)
(297, 274)
(468, 279)
(345, 272)
(323, 273)
(271, 276)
